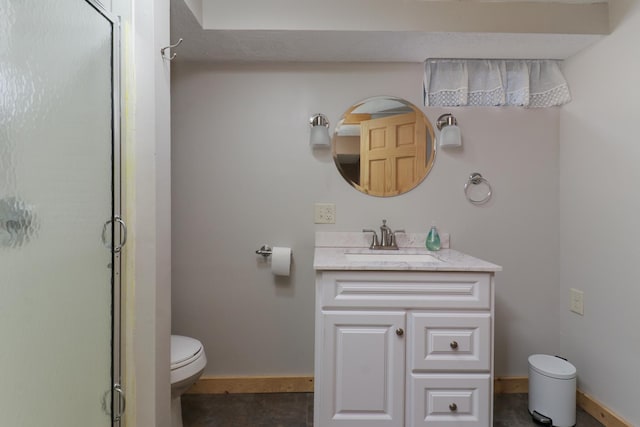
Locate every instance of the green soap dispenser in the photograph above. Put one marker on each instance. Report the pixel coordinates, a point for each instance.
(433, 239)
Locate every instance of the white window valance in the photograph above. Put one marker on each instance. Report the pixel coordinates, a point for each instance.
(494, 82)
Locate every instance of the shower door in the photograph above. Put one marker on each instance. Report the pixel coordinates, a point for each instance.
(59, 201)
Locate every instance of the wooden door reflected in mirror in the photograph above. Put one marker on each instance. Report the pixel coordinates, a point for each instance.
(384, 146)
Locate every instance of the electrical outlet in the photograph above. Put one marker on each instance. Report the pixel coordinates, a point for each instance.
(576, 304)
(325, 213)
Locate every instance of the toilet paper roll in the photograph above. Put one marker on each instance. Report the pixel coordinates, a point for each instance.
(281, 261)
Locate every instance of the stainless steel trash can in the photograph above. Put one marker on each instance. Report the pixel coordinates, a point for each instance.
(552, 390)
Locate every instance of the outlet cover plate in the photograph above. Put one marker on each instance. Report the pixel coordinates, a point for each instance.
(325, 213)
(576, 304)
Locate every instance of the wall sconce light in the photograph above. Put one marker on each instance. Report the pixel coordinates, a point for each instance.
(449, 131)
(319, 131)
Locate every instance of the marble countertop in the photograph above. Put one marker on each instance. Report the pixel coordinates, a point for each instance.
(333, 253)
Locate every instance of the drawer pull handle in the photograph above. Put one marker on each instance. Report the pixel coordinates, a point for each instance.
(399, 332)
(454, 345)
(453, 407)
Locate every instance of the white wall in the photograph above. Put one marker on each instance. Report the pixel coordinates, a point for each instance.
(146, 169)
(244, 175)
(599, 204)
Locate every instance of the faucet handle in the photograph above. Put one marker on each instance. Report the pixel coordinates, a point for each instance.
(393, 242)
(374, 241)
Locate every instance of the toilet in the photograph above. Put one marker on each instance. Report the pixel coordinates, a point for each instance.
(187, 363)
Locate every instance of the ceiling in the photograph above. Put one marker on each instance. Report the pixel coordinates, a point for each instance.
(494, 29)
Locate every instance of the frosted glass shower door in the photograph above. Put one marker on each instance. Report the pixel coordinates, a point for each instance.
(58, 130)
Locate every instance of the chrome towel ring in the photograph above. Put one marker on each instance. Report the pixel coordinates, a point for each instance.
(476, 178)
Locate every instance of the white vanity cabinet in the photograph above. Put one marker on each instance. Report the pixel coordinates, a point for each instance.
(404, 348)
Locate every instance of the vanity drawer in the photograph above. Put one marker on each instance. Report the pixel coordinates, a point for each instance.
(450, 290)
(449, 341)
(449, 400)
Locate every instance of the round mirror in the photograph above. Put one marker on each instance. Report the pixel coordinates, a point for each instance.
(384, 146)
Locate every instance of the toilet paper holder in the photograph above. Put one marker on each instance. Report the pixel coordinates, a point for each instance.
(265, 251)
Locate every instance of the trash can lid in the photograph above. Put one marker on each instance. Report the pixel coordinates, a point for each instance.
(552, 366)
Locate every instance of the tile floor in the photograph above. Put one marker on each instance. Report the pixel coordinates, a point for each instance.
(296, 410)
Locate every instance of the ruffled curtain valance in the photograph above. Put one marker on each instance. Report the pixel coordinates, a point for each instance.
(494, 82)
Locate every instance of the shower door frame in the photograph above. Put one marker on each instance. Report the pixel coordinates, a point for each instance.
(115, 401)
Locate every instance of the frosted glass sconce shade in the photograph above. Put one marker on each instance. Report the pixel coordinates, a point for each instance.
(450, 135)
(319, 131)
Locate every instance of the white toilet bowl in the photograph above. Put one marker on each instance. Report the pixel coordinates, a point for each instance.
(187, 363)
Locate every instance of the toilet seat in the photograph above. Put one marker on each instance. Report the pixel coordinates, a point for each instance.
(187, 358)
(183, 350)
(186, 361)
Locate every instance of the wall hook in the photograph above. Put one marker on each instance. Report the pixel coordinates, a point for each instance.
(171, 46)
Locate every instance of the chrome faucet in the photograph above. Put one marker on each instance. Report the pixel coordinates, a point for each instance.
(387, 237)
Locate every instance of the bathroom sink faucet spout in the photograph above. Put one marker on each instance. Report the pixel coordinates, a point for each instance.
(385, 235)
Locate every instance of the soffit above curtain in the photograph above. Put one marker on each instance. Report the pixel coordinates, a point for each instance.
(493, 82)
(384, 30)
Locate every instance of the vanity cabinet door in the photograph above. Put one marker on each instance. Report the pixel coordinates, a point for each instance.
(364, 369)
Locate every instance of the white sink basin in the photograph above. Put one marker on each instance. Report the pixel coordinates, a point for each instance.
(389, 256)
